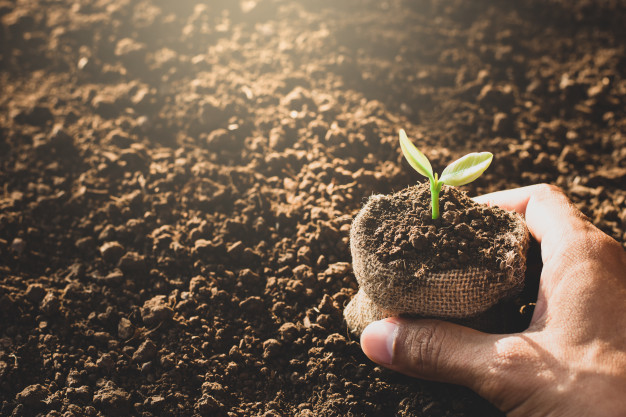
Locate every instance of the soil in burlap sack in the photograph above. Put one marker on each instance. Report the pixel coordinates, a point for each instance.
(456, 267)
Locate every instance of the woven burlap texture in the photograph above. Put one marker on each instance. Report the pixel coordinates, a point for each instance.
(387, 290)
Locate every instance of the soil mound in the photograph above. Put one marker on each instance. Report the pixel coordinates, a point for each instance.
(456, 266)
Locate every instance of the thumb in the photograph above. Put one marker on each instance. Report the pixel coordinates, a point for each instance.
(432, 349)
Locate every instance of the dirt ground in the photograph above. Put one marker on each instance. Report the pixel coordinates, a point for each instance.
(177, 182)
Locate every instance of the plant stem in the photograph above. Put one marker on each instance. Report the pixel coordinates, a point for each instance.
(435, 188)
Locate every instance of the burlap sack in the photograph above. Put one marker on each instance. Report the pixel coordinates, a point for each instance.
(386, 291)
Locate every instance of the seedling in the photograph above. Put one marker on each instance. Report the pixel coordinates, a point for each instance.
(462, 171)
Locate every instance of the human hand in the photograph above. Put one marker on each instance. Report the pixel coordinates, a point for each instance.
(572, 358)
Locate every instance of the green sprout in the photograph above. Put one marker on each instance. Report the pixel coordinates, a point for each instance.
(462, 171)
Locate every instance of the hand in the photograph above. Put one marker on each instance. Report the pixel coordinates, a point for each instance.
(571, 361)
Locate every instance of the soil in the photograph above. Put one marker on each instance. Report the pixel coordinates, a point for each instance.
(465, 235)
(178, 182)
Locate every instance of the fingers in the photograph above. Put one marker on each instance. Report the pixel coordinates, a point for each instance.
(429, 349)
(551, 217)
(501, 368)
(573, 251)
(512, 200)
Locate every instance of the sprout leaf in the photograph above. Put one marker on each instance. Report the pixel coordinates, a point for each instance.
(462, 171)
(466, 169)
(415, 157)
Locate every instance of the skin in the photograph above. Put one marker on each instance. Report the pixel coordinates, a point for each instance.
(572, 358)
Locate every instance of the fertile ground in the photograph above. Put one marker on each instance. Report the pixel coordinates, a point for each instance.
(399, 229)
(177, 182)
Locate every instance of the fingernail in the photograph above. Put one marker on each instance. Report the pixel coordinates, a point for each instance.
(377, 341)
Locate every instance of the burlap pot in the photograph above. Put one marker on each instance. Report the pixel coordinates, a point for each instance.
(406, 288)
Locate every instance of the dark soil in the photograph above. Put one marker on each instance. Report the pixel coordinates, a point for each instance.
(178, 182)
(465, 235)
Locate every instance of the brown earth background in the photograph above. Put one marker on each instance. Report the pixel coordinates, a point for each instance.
(177, 181)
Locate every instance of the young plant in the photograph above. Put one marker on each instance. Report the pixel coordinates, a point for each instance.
(462, 171)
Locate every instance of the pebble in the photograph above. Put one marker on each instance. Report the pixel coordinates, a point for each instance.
(32, 396)
(304, 273)
(202, 247)
(105, 362)
(196, 284)
(114, 400)
(79, 394)
(156, 310)
(327, 305)
(304, 255)
(18, 245)
(271, 348)
(132, 263)
(335, 342)
(50, 304)
(288, 332)
(337, 270)
(112, 251)
(207, 404)
(145, 352)
(125, 329)
(74, 379)
(419, 242)
(212, 387)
